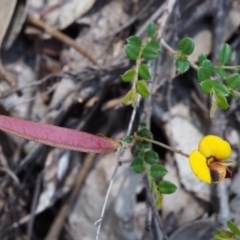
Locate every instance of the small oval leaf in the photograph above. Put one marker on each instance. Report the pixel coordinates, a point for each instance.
(207, 64)
(134, 98)
(207, 86)
(221, 73)
(222, 102)
(225, 53)
(182, 65)
(137, 165)
(220, 88)
(149, 53)
(151, 29)
(203, 73)
(158, 171)
(132, 51)
(128, 97)
(128, 75)
(186, 45)
(159, 200)
(142, 89)
(144, 132)
(151, 157)
(127, 139)
(219, 237)
(154, 44)
(201, 58)
(167, 187)
(144, 72)
(233, 93)
(135, 41)
(141, 146)
(142, 125)
(233, 228)
(233, 81)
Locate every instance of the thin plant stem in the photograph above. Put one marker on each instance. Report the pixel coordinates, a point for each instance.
(138, 62)
(136, 137)
(237, 67)
(99, 221)
(119, 163)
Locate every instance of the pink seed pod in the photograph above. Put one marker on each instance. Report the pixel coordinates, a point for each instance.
(57, 136)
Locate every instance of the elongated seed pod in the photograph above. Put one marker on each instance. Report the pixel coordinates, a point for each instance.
(57, 136)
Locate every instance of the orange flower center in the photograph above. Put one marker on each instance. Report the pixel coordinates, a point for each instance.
(218, 170)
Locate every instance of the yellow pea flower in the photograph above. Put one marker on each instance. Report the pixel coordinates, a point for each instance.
(207, 162)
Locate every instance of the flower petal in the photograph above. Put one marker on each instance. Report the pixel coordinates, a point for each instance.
(214, 146)
(218, 172)
(198, 164)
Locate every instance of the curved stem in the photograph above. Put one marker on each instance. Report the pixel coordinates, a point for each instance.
(161, 145)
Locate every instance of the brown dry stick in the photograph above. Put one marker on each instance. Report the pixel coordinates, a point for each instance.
(62, 37)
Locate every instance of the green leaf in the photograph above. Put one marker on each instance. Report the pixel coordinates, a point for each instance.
(233, 228)
(158, 171)
(224, 232)
(134, 98)
(141, 125)
(127, 139)
(219, 237)
(186, 45)
(159, 200)
(142, 89)
(149, 53)
(233, 93)
(201, 58)
(207, 86)
(151, 157)
(132, 51)
(151, 29)
(221, 73)
(225, 53)
(154, 44)
(207, 64)
(220, 88)
(182, 65)
(144, 72)
(167, 187)
(203, 73)
(128, 75)
(144, 132)
(233, 81)
(135, 151)
(135, 41)
(222, 102)
(128, 97)
(143, 145)
(137, 165)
